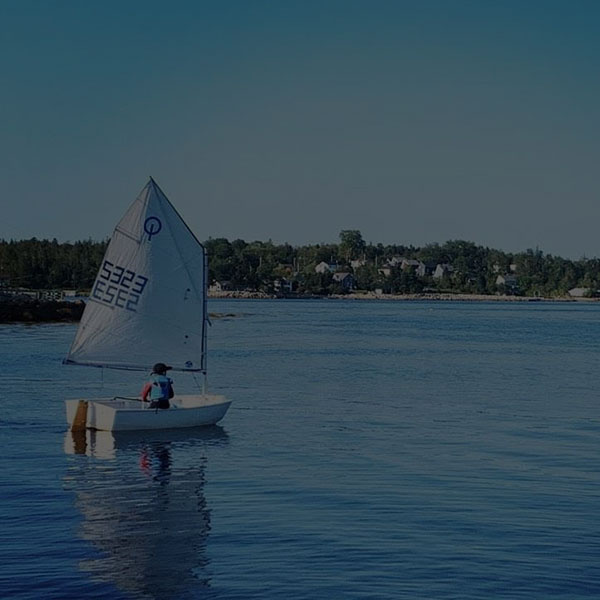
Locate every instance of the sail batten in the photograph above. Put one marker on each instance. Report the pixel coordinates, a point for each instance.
(148, 302)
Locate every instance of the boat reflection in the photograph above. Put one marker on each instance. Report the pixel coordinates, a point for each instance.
(141, 495)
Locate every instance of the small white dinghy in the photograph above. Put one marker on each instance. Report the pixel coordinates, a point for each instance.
(148, 304)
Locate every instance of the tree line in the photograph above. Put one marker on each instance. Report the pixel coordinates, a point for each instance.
(263, 266)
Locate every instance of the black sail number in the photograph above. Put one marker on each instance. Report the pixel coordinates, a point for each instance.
(118, 286)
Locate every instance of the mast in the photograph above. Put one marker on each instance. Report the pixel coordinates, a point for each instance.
(205, 321)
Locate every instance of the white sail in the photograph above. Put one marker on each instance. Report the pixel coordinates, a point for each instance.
(148, 303)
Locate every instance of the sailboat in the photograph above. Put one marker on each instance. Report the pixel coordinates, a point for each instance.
(148, 304)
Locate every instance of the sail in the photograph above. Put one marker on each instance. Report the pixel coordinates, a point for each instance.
(148, 303)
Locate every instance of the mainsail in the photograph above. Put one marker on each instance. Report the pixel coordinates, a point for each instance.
(148, 303)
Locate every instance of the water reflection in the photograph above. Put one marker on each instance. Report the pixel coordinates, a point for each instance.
(141, 495)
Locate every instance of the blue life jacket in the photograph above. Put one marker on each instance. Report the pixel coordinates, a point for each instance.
(161, 387)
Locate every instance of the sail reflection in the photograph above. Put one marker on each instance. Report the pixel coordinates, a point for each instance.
(141, 495)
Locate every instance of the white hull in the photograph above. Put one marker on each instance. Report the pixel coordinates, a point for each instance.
(110, 414)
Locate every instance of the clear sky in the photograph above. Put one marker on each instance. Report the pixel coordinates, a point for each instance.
(413, 121)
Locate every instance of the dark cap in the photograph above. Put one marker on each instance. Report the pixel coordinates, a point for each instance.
(160, 368)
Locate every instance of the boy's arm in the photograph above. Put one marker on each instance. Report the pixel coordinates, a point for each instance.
(145, 391)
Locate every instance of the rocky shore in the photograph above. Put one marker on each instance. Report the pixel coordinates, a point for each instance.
(39, 311)
(13, 311)
(442, 297)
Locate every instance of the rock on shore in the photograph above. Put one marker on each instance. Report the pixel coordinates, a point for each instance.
(38, 311)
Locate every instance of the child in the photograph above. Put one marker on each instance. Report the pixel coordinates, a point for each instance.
(159, 388)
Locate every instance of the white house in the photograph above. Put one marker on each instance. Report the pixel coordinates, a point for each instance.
(220, 286)
(395, 261)
(509, 282)
(409, 263)
(442, 271)
(359, 262)
(579, 292)
(324, 267)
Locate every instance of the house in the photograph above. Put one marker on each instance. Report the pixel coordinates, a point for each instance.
(324, 267)
(506, 280)
(579, 292)
(409, 263)
(426, 269)
(283, 285)
(50, 295)
(395, 261)
(358, 263)
(385, 271)
(220, 286)
(22, 293)
(73, 296)
(509, 282)
(443, 271)
(346, 280)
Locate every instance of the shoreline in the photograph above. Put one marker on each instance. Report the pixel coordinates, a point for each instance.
(38, 311)
(428, 297)
(29, 312)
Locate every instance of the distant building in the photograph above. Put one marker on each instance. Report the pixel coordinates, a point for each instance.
(346, 280)
(358, 263)
(506, 280)
(283, 285)
(509, 282)
(50, 295)
(220, 286)
(409, 263)
(579, 292)
(426, 269)
(324, 267)
(395, 261)
(443, 271)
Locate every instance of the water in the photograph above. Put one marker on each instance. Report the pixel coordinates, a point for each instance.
(374, 450)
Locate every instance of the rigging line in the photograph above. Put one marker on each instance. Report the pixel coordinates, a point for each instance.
(201, 386)
(177, 213)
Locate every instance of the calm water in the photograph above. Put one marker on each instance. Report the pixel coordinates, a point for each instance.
(374, 450)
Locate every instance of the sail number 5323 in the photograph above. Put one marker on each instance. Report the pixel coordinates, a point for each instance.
(118, 286)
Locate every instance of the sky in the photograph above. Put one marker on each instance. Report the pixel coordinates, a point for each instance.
(412, 121)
